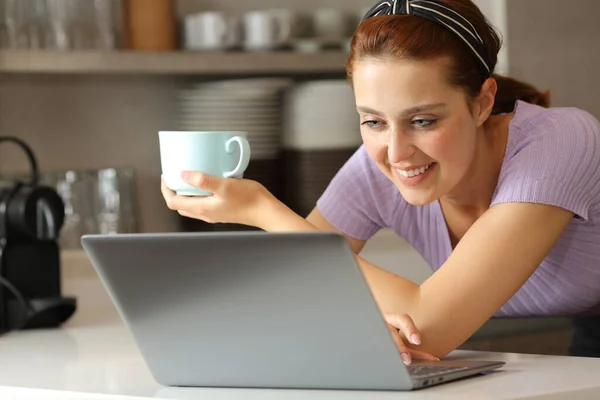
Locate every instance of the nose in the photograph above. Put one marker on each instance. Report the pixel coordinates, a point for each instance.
(399, 148)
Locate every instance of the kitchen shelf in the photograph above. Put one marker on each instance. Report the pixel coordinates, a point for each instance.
(171, 63)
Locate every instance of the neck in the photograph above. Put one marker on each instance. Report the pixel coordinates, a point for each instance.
(474, 194)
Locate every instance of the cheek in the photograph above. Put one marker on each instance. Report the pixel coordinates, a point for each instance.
(376, 150)
(435, 146)
(453, 149)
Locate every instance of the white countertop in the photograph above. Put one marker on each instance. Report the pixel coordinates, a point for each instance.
(93, 356)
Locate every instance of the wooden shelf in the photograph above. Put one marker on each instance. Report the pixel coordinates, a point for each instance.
(171, 63)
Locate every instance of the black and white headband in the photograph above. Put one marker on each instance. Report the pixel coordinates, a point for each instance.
(442, 14)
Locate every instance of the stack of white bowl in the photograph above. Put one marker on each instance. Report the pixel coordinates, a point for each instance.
(321, 131)
(250, 105)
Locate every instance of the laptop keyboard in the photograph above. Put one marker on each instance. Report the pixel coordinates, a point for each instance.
(421, 371)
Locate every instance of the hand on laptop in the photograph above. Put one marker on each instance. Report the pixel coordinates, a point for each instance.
(402, 328)
(238, 201)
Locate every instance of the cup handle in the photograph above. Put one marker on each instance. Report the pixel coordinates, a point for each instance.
(284, 31)
(232, 31)
(223, 31)
(244, 155)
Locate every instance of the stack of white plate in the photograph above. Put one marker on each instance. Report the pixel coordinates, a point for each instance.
(321, 132)
(249, 105)
(321, 115)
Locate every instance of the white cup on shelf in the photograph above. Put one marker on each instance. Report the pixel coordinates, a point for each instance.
(290, 20)
(211, 30)
(266, 30)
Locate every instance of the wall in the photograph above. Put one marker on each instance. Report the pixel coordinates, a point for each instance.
(237, 6)
(495, 11)
(554, 45)
(79, 122)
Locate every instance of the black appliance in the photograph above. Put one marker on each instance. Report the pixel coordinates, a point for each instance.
(31, 216)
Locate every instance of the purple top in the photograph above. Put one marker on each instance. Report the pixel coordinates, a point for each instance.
(552, 157)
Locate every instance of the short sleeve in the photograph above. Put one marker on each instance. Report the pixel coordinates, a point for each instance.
(358, 200)
(556, 161)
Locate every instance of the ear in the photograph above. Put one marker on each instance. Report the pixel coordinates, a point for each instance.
(484, 103)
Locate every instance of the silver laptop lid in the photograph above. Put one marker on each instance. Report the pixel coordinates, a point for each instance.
(249, 309)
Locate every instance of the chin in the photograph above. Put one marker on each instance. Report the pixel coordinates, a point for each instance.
(416, 197)
(419, 202)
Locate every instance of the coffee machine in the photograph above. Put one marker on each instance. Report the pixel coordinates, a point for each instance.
(31, 216)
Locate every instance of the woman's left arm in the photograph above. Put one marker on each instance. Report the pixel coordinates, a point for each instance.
(488, 266)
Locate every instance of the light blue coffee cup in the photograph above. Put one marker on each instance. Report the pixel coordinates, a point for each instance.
(218, 153)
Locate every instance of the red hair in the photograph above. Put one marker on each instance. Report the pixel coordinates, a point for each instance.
(415, 38)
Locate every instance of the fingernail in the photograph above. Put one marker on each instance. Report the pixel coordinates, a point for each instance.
(185, 175)
(437, 359)
(406, 358)
(415, 339)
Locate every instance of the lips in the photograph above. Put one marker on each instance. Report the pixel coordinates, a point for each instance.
(403, 176)
(410, 173)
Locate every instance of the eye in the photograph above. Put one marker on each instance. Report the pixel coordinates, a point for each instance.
(371, 124)
(424, 123)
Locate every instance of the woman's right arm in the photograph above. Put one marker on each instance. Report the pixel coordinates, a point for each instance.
(384, 284)
(320, 222)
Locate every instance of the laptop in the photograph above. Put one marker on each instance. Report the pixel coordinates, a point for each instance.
(256, 310)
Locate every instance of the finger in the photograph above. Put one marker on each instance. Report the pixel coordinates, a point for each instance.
(165, 190)
(167, 193)
(406, 325)
(198, 206)
(404, 351)
(203, 181)
(185, 214)
(421, 355)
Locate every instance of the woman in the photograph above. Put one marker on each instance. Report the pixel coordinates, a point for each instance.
(499, 194)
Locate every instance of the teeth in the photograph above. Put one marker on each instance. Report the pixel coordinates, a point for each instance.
(414, 172)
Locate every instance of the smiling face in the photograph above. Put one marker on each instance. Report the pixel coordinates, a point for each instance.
(417, 127)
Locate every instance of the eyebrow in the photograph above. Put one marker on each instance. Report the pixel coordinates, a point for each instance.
(408, 111)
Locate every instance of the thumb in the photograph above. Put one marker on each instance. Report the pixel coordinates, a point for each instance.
(202, 180)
